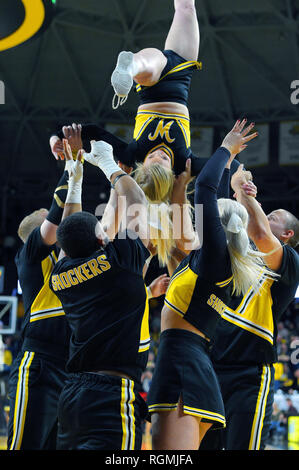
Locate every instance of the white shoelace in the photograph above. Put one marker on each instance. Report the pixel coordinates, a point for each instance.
(120, 101)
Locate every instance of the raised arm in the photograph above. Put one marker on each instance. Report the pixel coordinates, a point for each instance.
(207, 219)
(49, 226)
(73, 202)
(78, 134)
(185, 236)
(259, 229)
(101, 155)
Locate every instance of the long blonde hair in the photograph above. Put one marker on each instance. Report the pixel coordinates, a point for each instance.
(156, 182)
(247, 264)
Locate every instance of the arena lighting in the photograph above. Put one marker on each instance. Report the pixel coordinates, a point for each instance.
(21, 20)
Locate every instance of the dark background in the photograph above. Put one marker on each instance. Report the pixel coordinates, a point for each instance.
(250, 56)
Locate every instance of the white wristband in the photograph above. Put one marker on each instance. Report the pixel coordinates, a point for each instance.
(102, 156)
(74, 193)
(149, 293)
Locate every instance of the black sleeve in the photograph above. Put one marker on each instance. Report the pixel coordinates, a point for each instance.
(129, 251)
(56, 210)
(224, 185)
(289, 269)
(95, 132)
(213, 254)
(35, 249)
(223, 191)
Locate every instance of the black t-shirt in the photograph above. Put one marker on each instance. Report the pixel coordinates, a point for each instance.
(246, 333)
(105, 300)
(44, 327)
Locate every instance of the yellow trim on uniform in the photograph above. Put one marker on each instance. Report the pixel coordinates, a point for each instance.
(123, 415)
(46, 304)
(178, 273)
(59, 202)
(21, 401)
(141, 123)
(254, 313)
(162, 407)
(177, 68)
(144, 118)
(131, 405)
(64, 186)
(165, 148)
(188, 410)
(204, 414)
(185, 132)
(180, 290)
(259, 415)
(144, 333)
(224, 283)
(33, 21)
(127, 414)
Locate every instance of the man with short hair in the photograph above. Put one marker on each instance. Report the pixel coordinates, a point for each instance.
(285, 226)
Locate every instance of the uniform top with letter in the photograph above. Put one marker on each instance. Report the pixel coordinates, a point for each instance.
(247, 331)
(106, 305)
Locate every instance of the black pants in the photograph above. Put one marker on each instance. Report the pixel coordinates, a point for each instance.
(100, 412)
(35, 384)
(248, 394)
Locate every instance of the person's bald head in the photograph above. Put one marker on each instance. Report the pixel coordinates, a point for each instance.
(285, 226)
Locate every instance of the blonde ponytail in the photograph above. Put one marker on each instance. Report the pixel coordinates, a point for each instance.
(247, 264)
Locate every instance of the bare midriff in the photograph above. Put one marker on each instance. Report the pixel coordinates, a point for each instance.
(165, 107)
(170, 319)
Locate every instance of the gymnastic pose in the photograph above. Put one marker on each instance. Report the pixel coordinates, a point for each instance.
(161, 143)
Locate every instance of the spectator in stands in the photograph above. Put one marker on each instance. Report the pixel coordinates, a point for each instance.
(291, 410)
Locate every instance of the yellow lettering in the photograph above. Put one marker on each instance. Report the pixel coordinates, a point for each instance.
(162, 130)
(65, 280)
(79, 275)
(211, 299)
(85, 271)
(72, 277)
(216, 303)
(56, 283)
(103, 262)
(93, 266)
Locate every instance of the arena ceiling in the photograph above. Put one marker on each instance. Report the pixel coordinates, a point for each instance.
(250, 56)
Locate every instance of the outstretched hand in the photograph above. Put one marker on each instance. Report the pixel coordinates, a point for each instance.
(236, 140)
(184, 178)
(57, 147)
(159, 285)
(240, 177)
(99, 149)
(73, 135)
(181, 182)
(73, 167)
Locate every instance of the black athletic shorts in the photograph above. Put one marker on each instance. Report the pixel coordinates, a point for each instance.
(174, 82)
(183, 368)
(100, 412)
(35, 384)
(248, 395)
